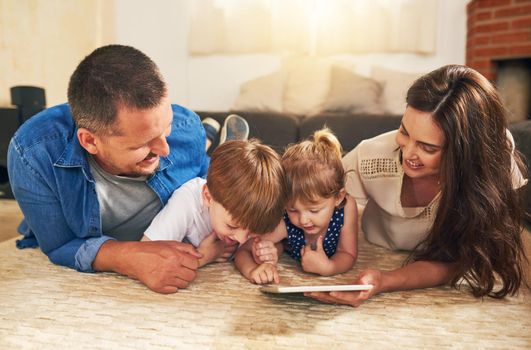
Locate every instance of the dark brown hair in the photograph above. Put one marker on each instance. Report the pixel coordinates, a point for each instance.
(313, 168)
(113, 77)
(247, 179)
(478, 223)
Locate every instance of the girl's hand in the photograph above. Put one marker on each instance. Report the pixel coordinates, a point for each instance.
(315, 261)
(264, 251)
(354, 299)
(265, 273)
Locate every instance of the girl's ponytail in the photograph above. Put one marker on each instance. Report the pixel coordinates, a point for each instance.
(325, 140)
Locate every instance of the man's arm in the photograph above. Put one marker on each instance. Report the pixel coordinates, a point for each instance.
(44, 214)
(163, 266)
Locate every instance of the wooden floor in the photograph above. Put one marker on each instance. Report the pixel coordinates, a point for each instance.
(10, 217)
(56, 307)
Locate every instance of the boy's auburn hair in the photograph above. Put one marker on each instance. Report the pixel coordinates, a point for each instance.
(247, 179)
(313, 168)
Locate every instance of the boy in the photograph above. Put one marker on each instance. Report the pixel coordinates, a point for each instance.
(245, 191)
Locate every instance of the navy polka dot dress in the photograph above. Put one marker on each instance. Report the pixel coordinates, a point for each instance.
(296, 235)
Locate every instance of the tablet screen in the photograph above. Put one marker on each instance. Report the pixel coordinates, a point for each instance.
(301, 289)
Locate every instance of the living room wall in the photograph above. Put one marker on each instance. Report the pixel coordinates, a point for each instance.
(42, 41)
(212, 82)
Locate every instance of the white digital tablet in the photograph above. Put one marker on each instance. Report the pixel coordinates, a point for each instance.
(302, 289)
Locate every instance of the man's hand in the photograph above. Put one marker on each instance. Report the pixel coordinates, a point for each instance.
(214, 249)
(264, 273)
(315, 261)
(264, 251)
(163, 266)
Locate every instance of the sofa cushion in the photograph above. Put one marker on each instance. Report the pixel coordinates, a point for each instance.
(352, 93)
(395, 86)
(307, 85)
(263, 94)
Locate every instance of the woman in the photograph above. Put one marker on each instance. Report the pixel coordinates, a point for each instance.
(445, 186)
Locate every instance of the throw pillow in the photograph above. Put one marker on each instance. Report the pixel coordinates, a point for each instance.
(263, 94)
(352, 93)
(307, 85)
(395, 86)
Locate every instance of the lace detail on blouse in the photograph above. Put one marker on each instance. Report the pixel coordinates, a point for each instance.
(429, 212)
(379, 167)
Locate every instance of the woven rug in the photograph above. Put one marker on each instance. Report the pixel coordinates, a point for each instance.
(50, 307)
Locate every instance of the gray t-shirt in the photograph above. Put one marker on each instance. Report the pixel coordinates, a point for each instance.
(127, 204)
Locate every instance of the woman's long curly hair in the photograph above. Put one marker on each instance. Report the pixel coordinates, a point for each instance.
(478, 223)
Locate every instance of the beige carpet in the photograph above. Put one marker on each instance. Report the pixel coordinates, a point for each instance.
(49, 307)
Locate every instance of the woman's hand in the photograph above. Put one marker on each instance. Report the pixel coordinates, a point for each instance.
(354, 299)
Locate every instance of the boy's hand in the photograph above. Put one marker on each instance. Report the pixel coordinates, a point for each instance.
(264, 251)
(214, 249)
(264, 273)
(315, 261)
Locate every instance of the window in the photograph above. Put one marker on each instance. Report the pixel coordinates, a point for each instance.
(316, 27)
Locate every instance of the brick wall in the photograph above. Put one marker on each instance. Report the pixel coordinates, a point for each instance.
(497, 29)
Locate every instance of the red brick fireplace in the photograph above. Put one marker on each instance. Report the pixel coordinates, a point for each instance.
(499, 47)
(497, 29)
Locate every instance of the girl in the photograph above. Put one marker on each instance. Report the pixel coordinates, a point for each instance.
(320, 224)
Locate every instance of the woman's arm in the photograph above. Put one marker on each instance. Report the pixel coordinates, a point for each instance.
(419, 274)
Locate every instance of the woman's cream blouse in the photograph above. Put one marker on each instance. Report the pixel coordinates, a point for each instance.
(374, 179)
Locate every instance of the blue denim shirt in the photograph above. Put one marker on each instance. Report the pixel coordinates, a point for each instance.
(51, 180)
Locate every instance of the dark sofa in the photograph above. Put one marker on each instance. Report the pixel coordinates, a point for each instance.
(279, 130)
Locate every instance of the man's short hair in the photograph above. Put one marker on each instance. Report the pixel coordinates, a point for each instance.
(113, 77)
(247, 179)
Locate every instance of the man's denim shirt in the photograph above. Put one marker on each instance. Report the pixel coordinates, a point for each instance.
(51, 180)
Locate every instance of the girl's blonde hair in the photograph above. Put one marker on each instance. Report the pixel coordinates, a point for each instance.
(313, 168)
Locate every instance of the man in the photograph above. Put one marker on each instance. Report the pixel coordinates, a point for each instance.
(90, 175)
